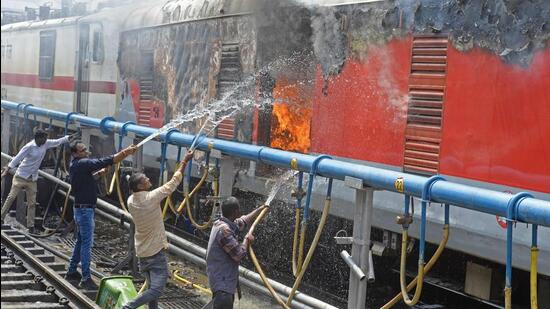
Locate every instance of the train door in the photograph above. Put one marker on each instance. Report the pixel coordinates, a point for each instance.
(90, 70)
(82, 73)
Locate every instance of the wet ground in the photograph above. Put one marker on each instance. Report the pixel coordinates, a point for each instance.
(110, 247)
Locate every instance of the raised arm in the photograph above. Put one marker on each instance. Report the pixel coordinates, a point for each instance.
(169, 187)
(51, 143)
(121, 155)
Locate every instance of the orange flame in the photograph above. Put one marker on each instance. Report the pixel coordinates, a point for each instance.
(291, 120)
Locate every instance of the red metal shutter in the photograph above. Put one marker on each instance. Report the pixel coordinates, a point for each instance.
(228, 78)
(425, 110)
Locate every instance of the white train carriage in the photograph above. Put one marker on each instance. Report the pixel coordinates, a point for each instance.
(65, 64)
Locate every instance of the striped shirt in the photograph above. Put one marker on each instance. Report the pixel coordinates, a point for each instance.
(225, 252)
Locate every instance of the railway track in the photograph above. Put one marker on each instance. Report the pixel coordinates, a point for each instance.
(33, 277)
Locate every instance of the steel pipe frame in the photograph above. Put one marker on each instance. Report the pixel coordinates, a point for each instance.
(197, 254)
(529, 210)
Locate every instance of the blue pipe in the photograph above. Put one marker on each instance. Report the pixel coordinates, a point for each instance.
(426, 190)
(312, 174)
(406, 211)
(300, 185)
(447, 214)
(529, 210)
(67, 121)
(165, 137)
(163, 148)
(25, 113)
(122, 132)
(329, 188)
(178, 156)
(534, 235)
(510, 219)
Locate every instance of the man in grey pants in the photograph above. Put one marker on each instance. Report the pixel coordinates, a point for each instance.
(27, 162)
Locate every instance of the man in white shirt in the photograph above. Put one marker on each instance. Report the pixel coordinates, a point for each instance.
(27, 162)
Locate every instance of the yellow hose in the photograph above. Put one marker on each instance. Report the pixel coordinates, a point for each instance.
(300, 262)
(402, 274)
(168, 202)
(196, 286)
(427, 268)
(507, 298)
(116, 183)
(259, 267)
(295, 269)
(534, 257)
(197, 187)
(311, 250)
(190, 212)
(143, 287)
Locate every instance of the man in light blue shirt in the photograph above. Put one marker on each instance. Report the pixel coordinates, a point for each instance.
(27, 162)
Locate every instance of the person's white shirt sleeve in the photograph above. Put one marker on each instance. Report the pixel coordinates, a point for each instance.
(19, 157)
(50, 143)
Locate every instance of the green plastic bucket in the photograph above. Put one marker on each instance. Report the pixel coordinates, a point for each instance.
(115, 291)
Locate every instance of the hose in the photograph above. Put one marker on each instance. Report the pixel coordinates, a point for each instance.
(185, 281)
(297, 264)
(300, 262)
(508, 297)
(115, 182)
(533, 274)
(419, 278)
(61, 219)
(427, 268)
(195, 190)
(143, 287)
(324, 216)
(259, 267)
(295, 269)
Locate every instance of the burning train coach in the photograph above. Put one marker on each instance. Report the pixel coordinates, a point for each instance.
(457, 88)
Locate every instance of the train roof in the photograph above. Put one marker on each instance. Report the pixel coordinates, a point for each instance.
(26, 25)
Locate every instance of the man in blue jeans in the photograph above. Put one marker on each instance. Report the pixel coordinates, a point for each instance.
(84, 188)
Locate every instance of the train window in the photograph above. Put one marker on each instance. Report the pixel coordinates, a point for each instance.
(47, 55)
(8, 51)
(97, 51)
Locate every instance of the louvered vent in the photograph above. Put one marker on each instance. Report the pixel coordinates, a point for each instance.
(146, 89)
(229, 77)
(425, 111)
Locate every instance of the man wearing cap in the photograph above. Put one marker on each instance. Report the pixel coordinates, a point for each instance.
(25, 165)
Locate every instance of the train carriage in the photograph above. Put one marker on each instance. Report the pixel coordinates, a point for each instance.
(456, 88)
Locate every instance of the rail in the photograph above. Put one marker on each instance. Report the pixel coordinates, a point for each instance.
(73, 294)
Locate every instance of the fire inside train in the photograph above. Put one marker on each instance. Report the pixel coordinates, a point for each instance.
(456, 88)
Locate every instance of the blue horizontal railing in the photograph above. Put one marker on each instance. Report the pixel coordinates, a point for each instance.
(526, 209)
